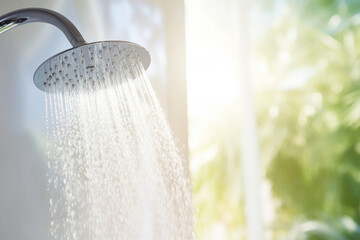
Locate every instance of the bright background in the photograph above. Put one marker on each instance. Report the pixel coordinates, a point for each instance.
(301, 62)
(263, 93)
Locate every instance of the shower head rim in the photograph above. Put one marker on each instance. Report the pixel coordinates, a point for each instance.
(144, 57)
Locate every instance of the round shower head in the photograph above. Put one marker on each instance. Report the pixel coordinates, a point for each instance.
(86, 60)
(78, 60)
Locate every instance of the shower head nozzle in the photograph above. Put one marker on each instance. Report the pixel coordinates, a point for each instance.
(79, 59)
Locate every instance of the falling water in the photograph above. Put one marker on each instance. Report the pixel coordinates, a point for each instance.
(114, 169)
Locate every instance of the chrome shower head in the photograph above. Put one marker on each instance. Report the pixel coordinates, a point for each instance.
(77, 60)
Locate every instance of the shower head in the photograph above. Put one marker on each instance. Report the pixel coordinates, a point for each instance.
(79, 61)
(82, 57)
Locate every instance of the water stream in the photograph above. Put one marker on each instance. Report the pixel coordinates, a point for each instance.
(114, 169)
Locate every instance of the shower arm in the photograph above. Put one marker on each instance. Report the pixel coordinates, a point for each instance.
(28, 15)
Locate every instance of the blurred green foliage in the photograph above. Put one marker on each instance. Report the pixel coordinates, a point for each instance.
(310, 130)
(218, 186)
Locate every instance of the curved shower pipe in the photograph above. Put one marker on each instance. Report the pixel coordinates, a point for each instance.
(28, 15)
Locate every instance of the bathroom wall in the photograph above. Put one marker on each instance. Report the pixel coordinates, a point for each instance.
(23, 200)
